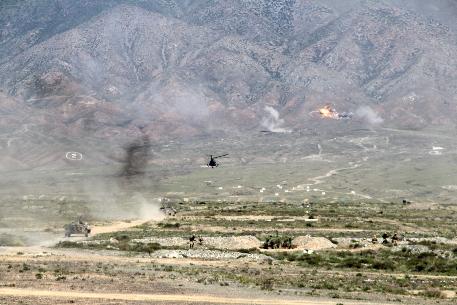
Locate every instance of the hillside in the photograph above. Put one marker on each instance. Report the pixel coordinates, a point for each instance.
(115, 70)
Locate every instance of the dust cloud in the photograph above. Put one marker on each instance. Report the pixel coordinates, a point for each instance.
(367, 114)
(272, 122)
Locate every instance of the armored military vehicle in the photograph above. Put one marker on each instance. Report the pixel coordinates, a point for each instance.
(169, 211)
(77, 227)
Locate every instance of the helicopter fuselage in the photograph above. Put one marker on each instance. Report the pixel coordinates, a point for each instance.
(212, 163)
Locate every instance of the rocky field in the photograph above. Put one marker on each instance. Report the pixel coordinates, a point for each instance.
(269, 253)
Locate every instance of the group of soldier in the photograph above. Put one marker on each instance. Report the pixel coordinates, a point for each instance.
(394, 239)
(193, 239)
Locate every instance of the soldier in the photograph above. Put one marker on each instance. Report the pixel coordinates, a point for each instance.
(289, 243)
(395, 239)
(384, 238)
(267, 242)
(191, 241)
(200, 240)
(374, 239)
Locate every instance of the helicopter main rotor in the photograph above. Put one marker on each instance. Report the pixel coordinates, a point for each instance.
(220, 156)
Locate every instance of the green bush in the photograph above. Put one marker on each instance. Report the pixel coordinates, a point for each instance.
(169, 225)
(278, 242)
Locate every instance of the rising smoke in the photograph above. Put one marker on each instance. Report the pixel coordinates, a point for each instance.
(369, 115)
(136, 159)
(272, 122)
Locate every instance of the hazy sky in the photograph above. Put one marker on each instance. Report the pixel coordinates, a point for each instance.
(444, 11)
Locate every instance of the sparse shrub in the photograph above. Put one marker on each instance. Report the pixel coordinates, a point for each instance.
(329, 286)
(433, 293)
(10, 240)
(150, 247)
(351, 262)
(122, 237)
(383, 265)
(311, 259)
(169, 225)
(250, 250)
(356, 246)
(266, 284)
(69, 244)
(25, 267)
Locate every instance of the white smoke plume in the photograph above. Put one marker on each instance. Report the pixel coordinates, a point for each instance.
(369, 115)
(272, 122)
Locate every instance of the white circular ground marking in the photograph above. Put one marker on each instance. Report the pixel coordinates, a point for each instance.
(435, 153)
(74, 156)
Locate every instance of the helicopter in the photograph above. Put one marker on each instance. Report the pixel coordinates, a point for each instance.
(212, 162)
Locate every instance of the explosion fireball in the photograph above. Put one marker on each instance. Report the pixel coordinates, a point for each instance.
(327, 112)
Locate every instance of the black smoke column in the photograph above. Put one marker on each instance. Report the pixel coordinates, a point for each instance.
(137, 155)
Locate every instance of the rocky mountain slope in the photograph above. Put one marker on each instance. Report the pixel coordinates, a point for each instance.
(116, 69)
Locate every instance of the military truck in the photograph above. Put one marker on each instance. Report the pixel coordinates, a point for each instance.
(77, 227)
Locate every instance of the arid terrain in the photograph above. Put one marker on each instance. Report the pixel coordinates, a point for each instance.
(317, 200)
(249, 253)
(336, 120)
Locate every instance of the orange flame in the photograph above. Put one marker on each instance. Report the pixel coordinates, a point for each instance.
(328, 112)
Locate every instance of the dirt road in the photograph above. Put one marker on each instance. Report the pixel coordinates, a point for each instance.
(15, 292)
(116, 227)
(96, 229)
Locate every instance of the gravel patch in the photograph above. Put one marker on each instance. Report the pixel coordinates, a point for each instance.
(438, 240)
(164, 242)
(209, 255)
(224, 243)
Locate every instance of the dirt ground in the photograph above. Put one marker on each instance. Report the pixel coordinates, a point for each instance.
(85, 277)
(46, 275)
(89, 277)
(8, 294)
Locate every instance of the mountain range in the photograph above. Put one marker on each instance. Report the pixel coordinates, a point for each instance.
(110, 71)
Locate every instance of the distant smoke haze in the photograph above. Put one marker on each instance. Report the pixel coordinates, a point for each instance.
(272, 122)
(369, 115)
(443, 11)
